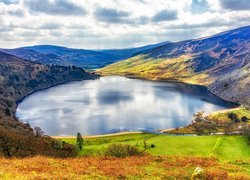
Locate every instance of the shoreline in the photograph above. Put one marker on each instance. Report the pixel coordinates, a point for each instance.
(42, 89)
(98, 135)
(175, 81)
(236, 105)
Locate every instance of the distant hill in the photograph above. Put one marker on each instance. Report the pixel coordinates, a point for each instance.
(221, 62)
(19, 77)
(89, 59)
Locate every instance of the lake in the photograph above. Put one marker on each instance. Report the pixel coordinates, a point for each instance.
(113, 104)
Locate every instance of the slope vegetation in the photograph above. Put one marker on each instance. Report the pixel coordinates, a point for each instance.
(220, 62)
(18, 78)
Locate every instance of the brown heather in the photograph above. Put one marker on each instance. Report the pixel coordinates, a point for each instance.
(146, 167)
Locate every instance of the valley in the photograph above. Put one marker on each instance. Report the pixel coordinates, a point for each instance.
(165, 86)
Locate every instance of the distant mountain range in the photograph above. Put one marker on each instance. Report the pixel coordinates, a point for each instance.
(221, 62)
(88, 59)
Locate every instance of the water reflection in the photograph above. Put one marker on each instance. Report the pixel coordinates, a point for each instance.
(113, 104)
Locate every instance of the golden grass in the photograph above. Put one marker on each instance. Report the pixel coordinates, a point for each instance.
(146, 167)
(175, 69)
(222, 116)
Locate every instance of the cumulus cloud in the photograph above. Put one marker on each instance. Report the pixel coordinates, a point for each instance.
(50, 25)
(95, 24)
(111, 15)
(199, 6)
(9, 1)
(16, 12)
(235, 4)
(11, 9)
(55, 7)
(165, 15)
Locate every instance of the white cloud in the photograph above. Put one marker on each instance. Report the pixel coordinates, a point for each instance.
(124, 23)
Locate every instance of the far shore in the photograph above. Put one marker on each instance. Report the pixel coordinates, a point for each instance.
(99, 135)
(136, 132)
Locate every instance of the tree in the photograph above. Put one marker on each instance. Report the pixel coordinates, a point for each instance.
(234, 117)
(79, 141)
(38, 132)
(244, 119)
(12, 143)
(198, 117)
(199, 128)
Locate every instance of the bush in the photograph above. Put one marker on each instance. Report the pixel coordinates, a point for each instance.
(244, 119)
(121, 150)
(234, 117)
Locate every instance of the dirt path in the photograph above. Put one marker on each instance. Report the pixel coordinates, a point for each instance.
(96, 136)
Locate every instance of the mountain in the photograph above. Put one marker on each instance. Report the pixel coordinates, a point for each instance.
(44, 58)
(221, 62)
(89, 59)
(19, 77)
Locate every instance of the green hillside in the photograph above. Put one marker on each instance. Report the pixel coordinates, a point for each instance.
(225, 148)
(173, 69)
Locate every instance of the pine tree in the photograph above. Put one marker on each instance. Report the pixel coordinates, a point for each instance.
(79, 141)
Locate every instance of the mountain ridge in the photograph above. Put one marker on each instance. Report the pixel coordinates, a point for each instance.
(220, 62)
(88, 59)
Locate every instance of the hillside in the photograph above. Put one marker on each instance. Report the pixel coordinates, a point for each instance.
(89, 59)
(171, 157)
(18, 78)
(220, 62)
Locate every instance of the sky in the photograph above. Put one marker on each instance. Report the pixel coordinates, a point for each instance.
(108, 24)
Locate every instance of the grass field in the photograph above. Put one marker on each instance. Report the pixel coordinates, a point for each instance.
(173, 157)
(224, 148)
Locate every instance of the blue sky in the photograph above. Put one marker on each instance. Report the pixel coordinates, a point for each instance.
(95, 24)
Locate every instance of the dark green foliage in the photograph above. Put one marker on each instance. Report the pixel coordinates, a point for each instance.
(7, 112)
(244, 119)
(121, 150)
(79, 141)
(204, 127)
(234, 117)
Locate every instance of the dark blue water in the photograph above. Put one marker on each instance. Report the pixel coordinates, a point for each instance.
(113, 104)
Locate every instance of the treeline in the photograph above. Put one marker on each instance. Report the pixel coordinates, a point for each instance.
(19, 78)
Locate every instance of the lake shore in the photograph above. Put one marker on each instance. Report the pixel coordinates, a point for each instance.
(171, 80)
(98, 135)
(156, 130)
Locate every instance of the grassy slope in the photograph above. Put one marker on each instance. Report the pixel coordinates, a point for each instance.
(145, 167)
(181, 155)
(176, 69)
(225, 148)
(223, 116)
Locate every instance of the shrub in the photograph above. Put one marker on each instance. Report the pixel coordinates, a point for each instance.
(234, 117)
(244, 119)
(121, 150)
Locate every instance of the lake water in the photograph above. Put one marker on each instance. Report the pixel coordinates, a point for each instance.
(113, 104)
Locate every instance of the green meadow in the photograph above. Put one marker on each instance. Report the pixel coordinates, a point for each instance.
(223, 148)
